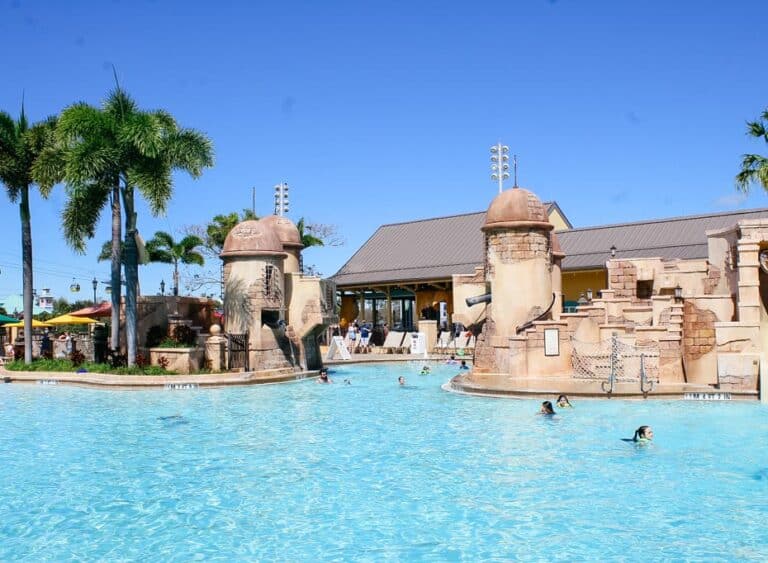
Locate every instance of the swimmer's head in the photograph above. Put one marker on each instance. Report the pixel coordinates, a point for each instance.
(643, 433)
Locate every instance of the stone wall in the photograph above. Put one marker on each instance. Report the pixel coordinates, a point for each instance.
(518, 245)
(698, 331)
(622, 278)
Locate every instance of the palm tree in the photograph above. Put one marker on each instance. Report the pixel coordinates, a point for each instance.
(754, 168)
(106, 154)
(217, 230)
(162, 248)
(20, 147)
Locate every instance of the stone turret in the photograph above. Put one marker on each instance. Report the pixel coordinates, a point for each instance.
(518, 259)
(289, 237)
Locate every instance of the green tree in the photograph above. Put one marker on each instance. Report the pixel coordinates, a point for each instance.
(754, 167)
(217, 230)
(163, 248)
(106, 154)
(20, 147)
(308, 238)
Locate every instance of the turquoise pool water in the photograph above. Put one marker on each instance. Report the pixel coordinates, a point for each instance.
(371, 471)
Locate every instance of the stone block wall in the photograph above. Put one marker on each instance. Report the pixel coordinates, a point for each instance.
(518, 245)
(698, 331)
(622, 278)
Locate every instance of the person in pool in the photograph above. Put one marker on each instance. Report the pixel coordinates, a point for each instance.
(643, 435)
(452, 361)
(401, 380)
(425, 370)
(323, 378)
(563, 402)
(463, 365)
(547, 409)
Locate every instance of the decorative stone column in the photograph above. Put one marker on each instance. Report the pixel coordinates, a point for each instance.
(216, 349)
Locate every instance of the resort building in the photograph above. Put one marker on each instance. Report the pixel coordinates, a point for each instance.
(405, 271)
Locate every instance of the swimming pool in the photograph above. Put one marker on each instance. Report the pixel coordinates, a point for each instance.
(372, 471)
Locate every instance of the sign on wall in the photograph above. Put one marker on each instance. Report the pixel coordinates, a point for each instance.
(551, 342)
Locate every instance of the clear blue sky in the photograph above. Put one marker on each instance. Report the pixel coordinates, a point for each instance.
(379, 112)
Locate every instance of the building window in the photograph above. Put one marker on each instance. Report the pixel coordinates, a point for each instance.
(644, 289)
(269, 281)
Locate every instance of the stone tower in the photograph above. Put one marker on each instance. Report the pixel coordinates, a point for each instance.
(518, 259)
(289, 237)
(254, 291)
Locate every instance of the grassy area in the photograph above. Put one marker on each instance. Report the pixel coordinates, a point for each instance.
(67, 366)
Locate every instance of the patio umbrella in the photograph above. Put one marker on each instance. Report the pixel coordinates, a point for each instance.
(7, 319)
(101, 310)
(70, 320)
(35, 324)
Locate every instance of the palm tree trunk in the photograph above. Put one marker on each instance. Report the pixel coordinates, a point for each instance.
(26, 253)
(115, 267)
(131, 275)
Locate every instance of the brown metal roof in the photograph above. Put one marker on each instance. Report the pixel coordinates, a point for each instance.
(433, 249)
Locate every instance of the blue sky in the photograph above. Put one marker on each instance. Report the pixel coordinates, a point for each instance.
(380, 112)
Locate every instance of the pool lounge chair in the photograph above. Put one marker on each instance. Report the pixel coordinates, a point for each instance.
(444, 342)
(393, 343)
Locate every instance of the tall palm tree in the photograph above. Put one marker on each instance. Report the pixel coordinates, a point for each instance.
(162, 248)
(754, 168)
(20, 146)
(105, 155)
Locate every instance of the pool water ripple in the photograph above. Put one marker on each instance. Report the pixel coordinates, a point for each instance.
(373, 471)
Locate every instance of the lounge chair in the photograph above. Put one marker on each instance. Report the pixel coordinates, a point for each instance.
(393, 343)
(444, 340)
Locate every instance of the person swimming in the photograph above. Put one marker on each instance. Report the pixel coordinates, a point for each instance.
(425, 370)
(643, 435)
(323, 376)
(401, 380)
(452, 361)
(547, 409)
(463, 365)
(563, 402)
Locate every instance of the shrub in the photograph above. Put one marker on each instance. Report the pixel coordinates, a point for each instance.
(76, 357)
(155, 335)
(185, 335)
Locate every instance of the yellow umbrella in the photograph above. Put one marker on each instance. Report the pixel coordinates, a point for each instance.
(35, 324)
(70, 320)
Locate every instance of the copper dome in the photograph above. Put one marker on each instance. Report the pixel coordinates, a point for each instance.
(252, 238)
(285, 230)
(517, 208)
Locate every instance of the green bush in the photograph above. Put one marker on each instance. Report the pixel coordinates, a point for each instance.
(62, 365)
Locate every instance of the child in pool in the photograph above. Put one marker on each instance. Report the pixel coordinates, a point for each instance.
(563, 402)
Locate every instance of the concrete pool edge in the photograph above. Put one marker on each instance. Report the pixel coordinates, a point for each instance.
(550, 388)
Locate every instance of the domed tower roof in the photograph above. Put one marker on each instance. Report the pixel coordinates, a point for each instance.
(285, 230)
(517, 208)
(557, 250)
(252, 238)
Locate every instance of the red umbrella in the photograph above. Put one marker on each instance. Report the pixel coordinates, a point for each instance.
(101, 310)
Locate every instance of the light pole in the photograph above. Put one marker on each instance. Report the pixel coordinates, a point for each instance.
(500, 164)
(95, 284)
(281, 199)
(162, 287)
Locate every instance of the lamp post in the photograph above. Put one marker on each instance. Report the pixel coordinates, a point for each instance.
(500, 164)
(281, 199)
(678, 293)
(95, 284)
(162, 287)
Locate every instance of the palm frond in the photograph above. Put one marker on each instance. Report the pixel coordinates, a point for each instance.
(81, 213)
(190, 151)
(754, 170)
